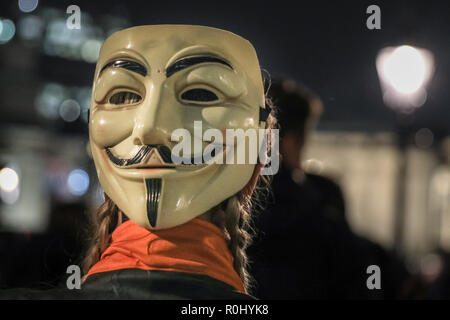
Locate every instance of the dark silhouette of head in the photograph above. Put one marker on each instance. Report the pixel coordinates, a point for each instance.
(299, 109)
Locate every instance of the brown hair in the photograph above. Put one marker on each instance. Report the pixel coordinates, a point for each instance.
(234, 215)
(102, 225)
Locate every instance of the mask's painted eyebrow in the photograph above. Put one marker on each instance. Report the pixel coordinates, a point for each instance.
(127, 64)
(187, 62)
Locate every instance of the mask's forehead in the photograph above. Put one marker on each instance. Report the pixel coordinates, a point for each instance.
(161, 45)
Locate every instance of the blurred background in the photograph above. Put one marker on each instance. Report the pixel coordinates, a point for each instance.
(384, 138)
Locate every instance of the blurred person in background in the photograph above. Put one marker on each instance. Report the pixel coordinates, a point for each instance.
(304, 246)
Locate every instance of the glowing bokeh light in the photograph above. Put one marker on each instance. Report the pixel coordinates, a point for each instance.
(9, 179)
(405, 69)
(404, 72)
(49, 100)
(8, 30)
(78, 182)
(30, 27)
(424, 138)
(69, 110)
(90, 50)
(28, 5)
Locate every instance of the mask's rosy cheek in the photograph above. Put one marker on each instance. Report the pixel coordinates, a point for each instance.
(110, 127)
(232, 117)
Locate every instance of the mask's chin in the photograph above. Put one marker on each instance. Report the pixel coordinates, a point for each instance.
(166, 198)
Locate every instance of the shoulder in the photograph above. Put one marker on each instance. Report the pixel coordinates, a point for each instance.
(137, 284)
(156, 284)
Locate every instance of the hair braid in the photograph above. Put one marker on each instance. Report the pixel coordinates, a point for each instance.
(103, 225)
(234, 216)
(238, 224)
(233, 220)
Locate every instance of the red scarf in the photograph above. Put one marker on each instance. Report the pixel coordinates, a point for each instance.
(197, 246)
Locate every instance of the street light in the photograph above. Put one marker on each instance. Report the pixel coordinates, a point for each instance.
(9, 185)
(404, 73)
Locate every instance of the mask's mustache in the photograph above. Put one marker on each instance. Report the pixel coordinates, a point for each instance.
(164, 152)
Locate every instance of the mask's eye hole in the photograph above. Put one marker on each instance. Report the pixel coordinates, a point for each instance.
(199, 95)
(125, 97)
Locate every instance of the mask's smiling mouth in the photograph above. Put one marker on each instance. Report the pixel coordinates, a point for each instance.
(154, 157)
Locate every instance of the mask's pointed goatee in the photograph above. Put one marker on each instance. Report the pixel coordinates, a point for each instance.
(153, 196)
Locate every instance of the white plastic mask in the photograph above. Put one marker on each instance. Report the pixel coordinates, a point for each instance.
(152, 80)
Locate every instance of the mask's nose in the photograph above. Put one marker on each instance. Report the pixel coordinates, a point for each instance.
(150, 126)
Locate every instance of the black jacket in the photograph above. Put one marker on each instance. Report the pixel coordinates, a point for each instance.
(138, 284)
